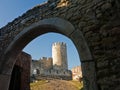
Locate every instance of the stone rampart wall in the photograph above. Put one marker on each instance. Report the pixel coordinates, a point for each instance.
(46, 63)
(98, 20)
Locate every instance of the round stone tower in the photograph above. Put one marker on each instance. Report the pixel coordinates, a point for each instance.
(59, 55)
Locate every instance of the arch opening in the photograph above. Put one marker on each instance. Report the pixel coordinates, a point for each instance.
(48, 25)
(41, 51)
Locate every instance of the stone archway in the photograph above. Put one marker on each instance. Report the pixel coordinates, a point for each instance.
(44, 26)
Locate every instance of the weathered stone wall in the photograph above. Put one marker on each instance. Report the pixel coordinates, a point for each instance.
(44, 68)
(99, 22)
(41, 65)
(46, 63)
(76, 73)
(24, 61)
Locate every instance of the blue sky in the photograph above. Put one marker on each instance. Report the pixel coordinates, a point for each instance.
(11, 9)
(41, 46)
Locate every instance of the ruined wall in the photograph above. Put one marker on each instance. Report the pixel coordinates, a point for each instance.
(24, 61)
(76, 73)
(44, 68)
(99, 22)
(46, 63)
(34, 66)
(55, 74)
(42, 64)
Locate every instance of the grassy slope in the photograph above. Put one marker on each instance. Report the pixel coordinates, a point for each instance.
(77, 84)
(39, 85)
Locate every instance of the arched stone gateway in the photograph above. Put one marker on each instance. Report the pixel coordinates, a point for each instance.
(92, 25)
(47, 25)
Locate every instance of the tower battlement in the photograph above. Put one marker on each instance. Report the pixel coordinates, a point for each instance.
(46, 58)
(59, 44)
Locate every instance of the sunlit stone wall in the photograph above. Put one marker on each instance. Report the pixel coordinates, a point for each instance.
(59, 55)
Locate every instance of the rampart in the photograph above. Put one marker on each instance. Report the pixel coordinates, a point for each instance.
(44, 69)
(93, 26)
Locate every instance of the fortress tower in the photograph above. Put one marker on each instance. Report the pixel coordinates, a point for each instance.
(59, 55)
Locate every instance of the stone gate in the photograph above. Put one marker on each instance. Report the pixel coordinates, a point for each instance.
(92, 25)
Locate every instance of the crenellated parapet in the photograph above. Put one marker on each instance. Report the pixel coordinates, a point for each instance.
(58, 43)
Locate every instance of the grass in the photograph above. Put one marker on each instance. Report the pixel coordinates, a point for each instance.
(39, 85)
(77, 84)
(35, 85)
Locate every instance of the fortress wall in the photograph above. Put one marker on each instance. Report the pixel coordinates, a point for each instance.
(46, 63)
(42, 65)
(49, 63)
(34, 65)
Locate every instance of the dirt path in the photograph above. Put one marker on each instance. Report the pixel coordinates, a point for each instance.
(57, 85)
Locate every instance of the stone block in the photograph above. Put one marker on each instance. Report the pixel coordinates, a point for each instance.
(89, 75)
(4, 81)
